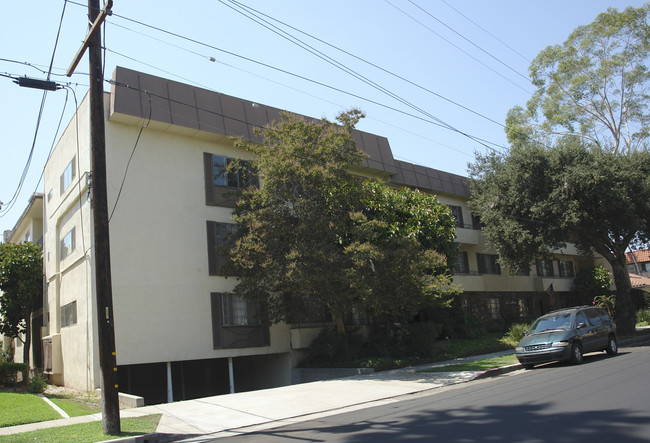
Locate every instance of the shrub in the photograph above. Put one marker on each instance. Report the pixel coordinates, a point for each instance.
(9, 370)
(330, 346)
(643, 317)
(515, 334)
(419, 338)
(37, 384)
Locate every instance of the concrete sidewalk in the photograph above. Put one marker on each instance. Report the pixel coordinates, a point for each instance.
(232, 414)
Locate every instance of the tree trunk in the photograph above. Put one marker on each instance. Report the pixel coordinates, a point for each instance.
(625, 312)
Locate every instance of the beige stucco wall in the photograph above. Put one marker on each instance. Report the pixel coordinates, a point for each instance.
(161, 286)
(70, 279)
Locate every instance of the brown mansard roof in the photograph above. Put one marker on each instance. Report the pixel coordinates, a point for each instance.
(136, 94)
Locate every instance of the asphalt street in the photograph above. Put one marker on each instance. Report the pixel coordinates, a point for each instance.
(603, 400)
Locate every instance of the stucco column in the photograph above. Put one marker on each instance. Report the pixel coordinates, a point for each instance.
(231, 376)
(170, 389)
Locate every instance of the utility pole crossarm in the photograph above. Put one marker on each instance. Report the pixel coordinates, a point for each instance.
(106, 11)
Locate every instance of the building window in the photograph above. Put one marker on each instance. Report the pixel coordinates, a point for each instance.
(494, 308)
(523, 272)
(232, 173)
(488, 264)
(467, 306)
(69, 314)
(68, 175)
(68, 243)
(28, 237)
(457, 213)
(565, 267)
(220, 239)
(49, 195)
(544, 268)
(462, 263)
(236, 311)
(476, 222)
(524, 307)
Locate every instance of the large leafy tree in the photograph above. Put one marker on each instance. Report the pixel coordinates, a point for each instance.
(317, 236)
(594, 85)
(533, 200)
(21, 285)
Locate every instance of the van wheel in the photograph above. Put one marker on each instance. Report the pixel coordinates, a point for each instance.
(576, 354)
(612, 346)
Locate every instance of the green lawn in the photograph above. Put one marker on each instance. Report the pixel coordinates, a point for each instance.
(74, 407)
(87, 432)
(18, 409)
(477, 365)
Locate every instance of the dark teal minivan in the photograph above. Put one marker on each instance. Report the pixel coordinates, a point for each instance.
(566, 335)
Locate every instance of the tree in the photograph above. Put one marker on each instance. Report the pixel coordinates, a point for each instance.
(533, 200)
(316, 236)
(21, 283)
(594, 85)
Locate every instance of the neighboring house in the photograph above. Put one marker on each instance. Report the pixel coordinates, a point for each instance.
(29, 228)
(638, 262)
(179, 333)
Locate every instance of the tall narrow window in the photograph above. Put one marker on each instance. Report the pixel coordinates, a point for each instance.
(462, 263)
(457, 213)
(220, 238)
(68, 175)
(68, 243)
(494, 307)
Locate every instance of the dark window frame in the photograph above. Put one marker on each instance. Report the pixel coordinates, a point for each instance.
(222, 187)
(488, 264)
(220, 237)
(544, 267)
(566, 268)
(457, 213)
(462, 263)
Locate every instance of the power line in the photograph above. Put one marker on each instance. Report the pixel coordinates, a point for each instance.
(468, 40)
(479, 140)
(457, 47)
(371, 64)
(487, 32)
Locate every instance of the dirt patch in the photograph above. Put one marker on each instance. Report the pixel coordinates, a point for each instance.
(89, 399)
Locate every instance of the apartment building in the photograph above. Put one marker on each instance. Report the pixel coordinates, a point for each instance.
(28, 228)
(179, 333)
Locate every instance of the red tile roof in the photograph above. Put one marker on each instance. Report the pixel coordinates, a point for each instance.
(641, 256)
(639, 281)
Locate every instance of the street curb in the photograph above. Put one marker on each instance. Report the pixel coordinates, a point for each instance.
(505, 369)
(496, 371)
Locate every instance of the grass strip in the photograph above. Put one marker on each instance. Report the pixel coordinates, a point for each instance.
(72, 407)
(20, 409)
(88, 432)
(476, 365)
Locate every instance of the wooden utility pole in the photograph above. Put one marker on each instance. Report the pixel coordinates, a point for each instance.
(103, 287)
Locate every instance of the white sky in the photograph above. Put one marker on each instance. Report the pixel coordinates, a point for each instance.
(440, 46)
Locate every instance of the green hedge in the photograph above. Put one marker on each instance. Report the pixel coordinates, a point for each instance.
(8, 371)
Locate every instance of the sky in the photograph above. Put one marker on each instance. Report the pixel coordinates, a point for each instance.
(436, 77)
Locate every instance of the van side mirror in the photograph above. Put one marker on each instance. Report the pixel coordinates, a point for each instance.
(582, 325)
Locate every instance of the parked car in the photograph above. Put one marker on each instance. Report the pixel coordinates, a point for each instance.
(566, 335)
